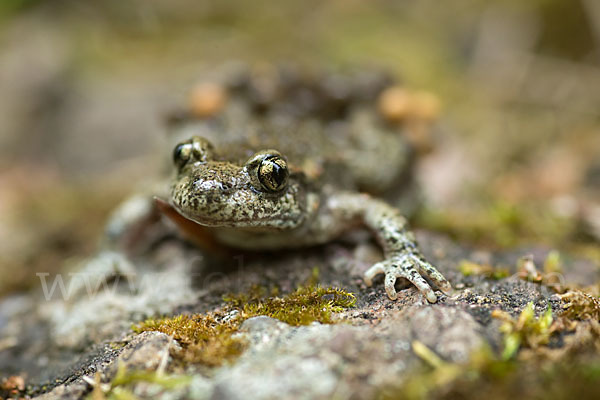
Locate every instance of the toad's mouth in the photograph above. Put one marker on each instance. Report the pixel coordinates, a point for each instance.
(214, 222)
(278, 221)
(179, 218)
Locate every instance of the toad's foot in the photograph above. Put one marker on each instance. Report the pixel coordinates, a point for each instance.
(411, 267)
(402, 256)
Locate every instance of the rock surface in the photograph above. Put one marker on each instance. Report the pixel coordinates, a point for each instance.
(60, 344)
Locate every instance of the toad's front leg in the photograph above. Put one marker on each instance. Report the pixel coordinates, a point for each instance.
(402, 256)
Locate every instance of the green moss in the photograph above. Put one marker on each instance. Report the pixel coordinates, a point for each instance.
(209, 339)
(553, 263)
(591, 251)
(570, 372)
(526, 330)
(486, 376)
(120, 386)
(125, 377)
(439, 375)
(526, 270)
(468, 268)
(499, 224)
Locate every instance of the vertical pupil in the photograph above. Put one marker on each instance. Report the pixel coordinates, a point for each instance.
(278, 173)
(273, 174)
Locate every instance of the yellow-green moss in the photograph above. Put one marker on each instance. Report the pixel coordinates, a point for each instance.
(469, 268)
(580, 305)
(206, 338)
(526, 330)
(302, 307)
(209, 339)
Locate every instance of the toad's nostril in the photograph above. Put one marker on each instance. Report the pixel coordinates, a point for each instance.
(213, 188)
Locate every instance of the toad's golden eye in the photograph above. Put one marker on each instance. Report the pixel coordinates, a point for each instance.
(273, 173)
(192, 150)
(182, 154)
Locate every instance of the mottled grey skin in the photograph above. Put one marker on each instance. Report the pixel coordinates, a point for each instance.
(323, 164)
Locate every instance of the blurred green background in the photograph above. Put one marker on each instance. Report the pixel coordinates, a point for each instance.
(84, 87)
